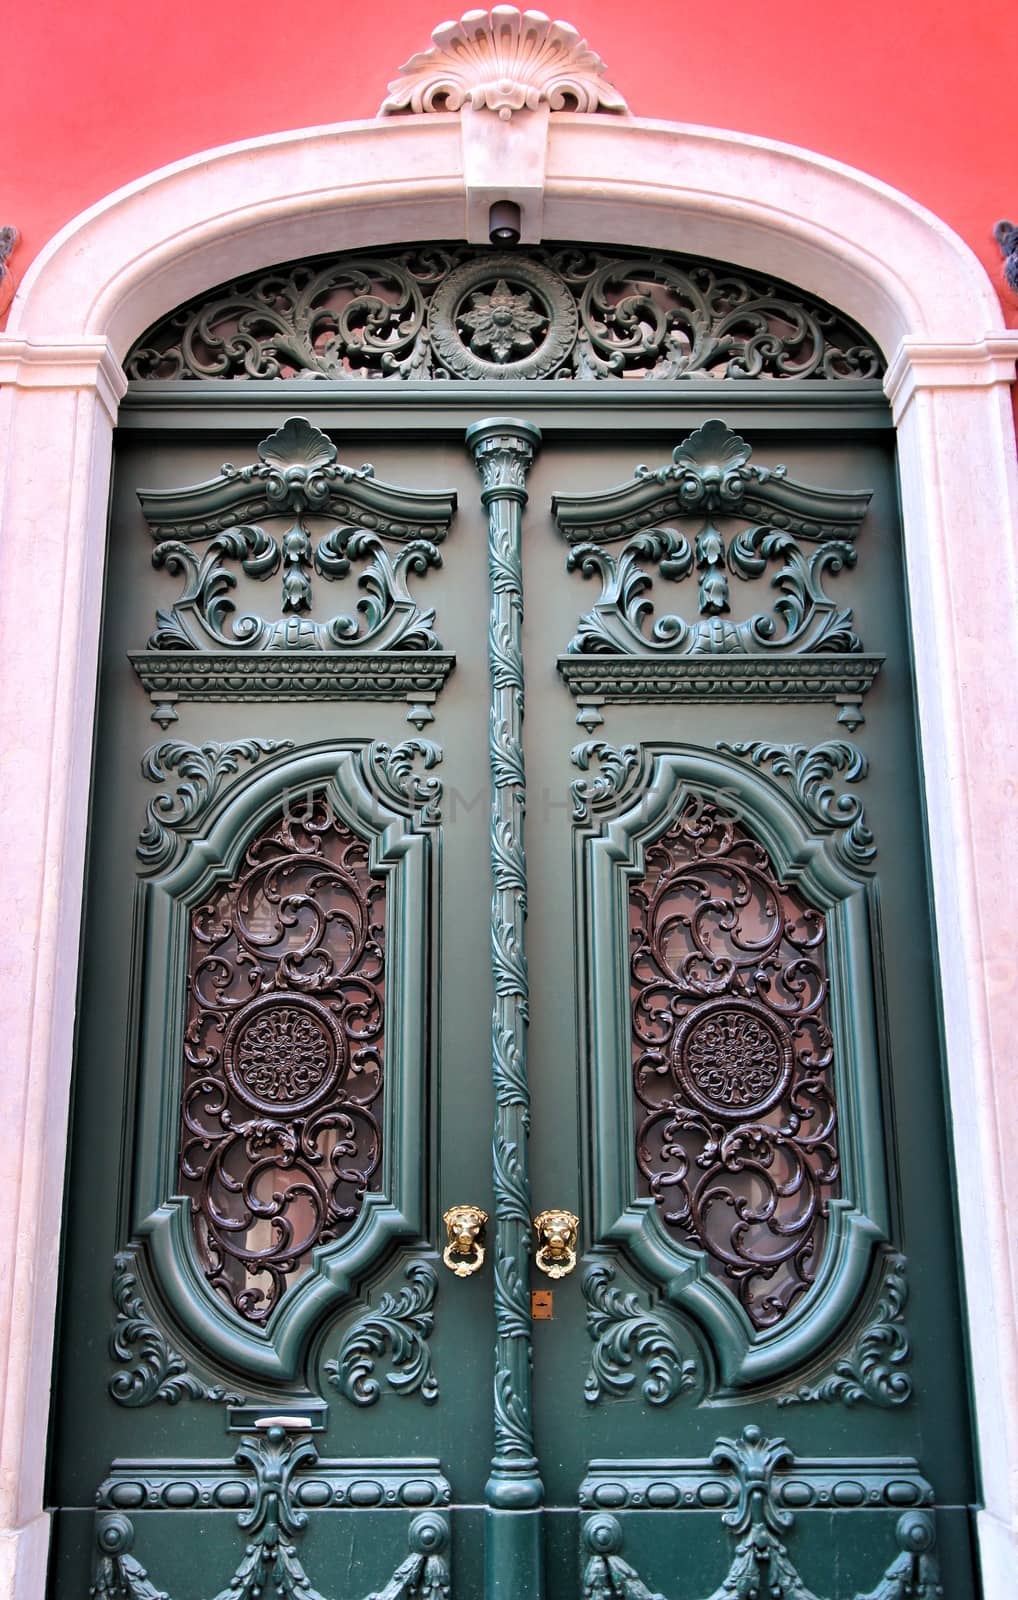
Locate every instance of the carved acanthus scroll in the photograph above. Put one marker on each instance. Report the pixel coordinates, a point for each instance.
(562, 311)
(714, 516)
(212, 536)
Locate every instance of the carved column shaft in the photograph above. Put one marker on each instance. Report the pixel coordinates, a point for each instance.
(503, 449)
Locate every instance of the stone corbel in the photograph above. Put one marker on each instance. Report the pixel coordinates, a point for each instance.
(505, 71)
(504, 161)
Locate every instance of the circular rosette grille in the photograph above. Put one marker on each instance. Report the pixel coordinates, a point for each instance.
(733, 1058)
(502, 317)
(284, 1053)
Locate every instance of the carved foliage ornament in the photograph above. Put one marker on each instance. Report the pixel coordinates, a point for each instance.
(621, 1331)
(297, 475)
(503, 60)
(403, 1323)
(803, 533)
(874, 1369)
(562, 311)
(149, 1368)
(733, 1055)
(284, 1052)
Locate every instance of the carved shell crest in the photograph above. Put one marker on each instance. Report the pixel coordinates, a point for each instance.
(504, 60)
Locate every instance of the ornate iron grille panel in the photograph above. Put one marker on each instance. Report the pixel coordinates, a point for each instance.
(284, 1054)
(564, 311)
(732, 1058)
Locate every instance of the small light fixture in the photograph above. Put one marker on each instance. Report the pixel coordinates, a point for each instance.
(504, 223)
(1006, 235)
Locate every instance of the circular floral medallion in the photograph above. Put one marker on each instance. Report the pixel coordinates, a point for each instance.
(733, 1058)
(283, 1053)
(502, 317)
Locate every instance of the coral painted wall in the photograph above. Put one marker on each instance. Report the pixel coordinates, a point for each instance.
(917, 92)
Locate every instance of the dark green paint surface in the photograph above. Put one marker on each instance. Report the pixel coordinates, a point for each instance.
(349, 1553)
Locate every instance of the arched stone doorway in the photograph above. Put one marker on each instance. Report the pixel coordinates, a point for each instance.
(890, 265)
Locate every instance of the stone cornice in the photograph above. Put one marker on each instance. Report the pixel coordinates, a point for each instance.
(83, 364)
(921, 364)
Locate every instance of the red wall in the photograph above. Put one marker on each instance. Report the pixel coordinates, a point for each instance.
(918, 92)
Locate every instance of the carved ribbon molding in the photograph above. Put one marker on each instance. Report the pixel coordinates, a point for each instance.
(673, 523)
(759, 1520)
(564, 311)
(273, 1521)
(211, 534)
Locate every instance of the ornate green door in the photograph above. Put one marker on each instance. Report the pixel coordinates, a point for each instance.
(508, 1147)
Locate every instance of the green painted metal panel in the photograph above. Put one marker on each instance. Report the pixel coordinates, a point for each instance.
(636, 1380)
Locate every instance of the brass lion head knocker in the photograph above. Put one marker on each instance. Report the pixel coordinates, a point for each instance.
(556, 1233)
(464, 1253)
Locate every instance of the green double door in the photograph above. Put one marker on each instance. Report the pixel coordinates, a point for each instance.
(338, 756)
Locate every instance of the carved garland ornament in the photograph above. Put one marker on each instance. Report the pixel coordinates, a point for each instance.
(503, 60)
(273, 1521)
(562, 311)
(759, 1522)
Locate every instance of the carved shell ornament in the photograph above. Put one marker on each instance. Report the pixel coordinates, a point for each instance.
(503, 60)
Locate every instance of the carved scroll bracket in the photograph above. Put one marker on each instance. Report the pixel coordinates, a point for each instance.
(210, 534)
(714, 515)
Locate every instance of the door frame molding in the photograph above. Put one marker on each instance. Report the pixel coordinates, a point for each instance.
(838, 233)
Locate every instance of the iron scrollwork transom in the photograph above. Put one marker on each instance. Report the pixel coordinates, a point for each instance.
(563, 311)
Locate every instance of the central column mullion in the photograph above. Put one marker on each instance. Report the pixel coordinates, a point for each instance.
(503, 449)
